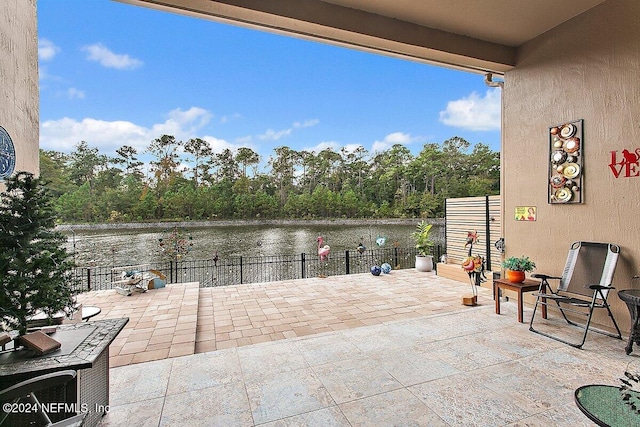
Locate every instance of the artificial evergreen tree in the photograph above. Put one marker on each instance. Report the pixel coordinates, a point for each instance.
(36, 271)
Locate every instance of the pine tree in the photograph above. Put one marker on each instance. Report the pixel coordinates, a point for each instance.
(36, 270)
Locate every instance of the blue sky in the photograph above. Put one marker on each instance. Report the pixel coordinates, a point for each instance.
(112, 74)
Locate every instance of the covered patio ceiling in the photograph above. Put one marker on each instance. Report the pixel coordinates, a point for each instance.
(475, 35)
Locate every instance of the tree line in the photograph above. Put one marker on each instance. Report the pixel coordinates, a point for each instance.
(93, 187)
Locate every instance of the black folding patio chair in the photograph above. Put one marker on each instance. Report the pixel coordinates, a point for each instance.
(583, 288)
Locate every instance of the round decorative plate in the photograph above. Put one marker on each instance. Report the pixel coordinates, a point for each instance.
(563, 194)
(572, 145)
(568, 130)
(558, 156)
(571, 170)
(7, 154)
(558, 181)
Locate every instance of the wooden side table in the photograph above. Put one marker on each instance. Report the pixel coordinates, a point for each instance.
(527, 286)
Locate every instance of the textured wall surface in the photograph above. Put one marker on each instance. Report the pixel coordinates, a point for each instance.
(19, 102)
(585, 69)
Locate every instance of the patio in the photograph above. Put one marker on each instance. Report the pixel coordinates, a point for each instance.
(397, 349)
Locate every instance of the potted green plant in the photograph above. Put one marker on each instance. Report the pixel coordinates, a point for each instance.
(424, 244)
(37, 272)
(516, 267)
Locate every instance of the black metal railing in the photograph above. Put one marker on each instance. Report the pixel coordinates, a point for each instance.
(240, 269)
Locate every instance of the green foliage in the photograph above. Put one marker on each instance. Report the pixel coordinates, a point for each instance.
(422, 237)
(522, 263)
(296, 184)
(37, 273)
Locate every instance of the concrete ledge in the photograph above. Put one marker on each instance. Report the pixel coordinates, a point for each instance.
(162, 322)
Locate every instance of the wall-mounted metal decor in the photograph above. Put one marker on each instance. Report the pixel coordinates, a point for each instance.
(7, 154)
(625, 164)
(566, 145)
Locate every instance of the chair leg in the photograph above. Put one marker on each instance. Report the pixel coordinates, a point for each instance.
(613, 319)
(584, 326)
(584, 337)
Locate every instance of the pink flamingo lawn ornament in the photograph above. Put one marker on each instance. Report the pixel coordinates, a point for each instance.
(323, 251)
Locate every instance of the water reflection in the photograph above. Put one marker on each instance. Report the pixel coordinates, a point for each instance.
(122, 247)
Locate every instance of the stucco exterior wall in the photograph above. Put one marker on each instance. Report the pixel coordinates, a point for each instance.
(588, 68)
(19, 101)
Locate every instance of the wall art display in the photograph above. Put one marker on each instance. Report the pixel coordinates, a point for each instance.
(525, 213)
(566, 144)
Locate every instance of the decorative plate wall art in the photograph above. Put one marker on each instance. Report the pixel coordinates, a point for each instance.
(566, 144)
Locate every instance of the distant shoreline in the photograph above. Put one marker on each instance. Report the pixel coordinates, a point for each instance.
(243, 223)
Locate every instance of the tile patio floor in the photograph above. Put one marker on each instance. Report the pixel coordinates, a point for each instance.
(351, 350)
(183, 319)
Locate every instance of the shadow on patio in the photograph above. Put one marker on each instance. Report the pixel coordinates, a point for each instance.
(354, 350)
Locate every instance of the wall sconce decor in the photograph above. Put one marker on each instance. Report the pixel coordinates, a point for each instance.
(566, 145)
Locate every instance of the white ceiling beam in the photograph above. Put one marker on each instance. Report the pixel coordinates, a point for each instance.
(335, 24)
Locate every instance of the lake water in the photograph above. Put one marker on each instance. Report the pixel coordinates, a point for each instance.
(130, 246)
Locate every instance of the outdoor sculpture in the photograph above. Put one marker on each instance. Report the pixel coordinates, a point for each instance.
(323, 251)
(475, 267)
(175, 244)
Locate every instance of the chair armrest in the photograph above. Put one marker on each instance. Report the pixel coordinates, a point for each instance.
(600, 287)
(544, 276)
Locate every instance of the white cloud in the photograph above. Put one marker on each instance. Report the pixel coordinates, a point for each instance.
(218, 145)
(64, 134)
(74, 93)
(272, 135)
(244, 139)
(474, 112)
(227, 119)
(351, 148)
(334, 145)
(306, 123)
(47, 50)
(392, 139)
(323, 146)
(101, 54)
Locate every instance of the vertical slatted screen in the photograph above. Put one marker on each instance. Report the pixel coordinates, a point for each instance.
(470, 214)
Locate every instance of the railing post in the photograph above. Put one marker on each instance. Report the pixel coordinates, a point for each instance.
(241, 270)
(89, 278)
(346, 261)
(303, 265)
(171, 271)
(395, 256)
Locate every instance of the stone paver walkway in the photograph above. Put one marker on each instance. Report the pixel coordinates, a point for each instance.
(183, 319)
(162, 322)
(455, 368)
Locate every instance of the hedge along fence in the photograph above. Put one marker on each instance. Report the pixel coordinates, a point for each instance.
(468, 214)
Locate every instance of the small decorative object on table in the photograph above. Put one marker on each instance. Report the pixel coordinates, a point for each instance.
(39, 342)
(517, 267)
